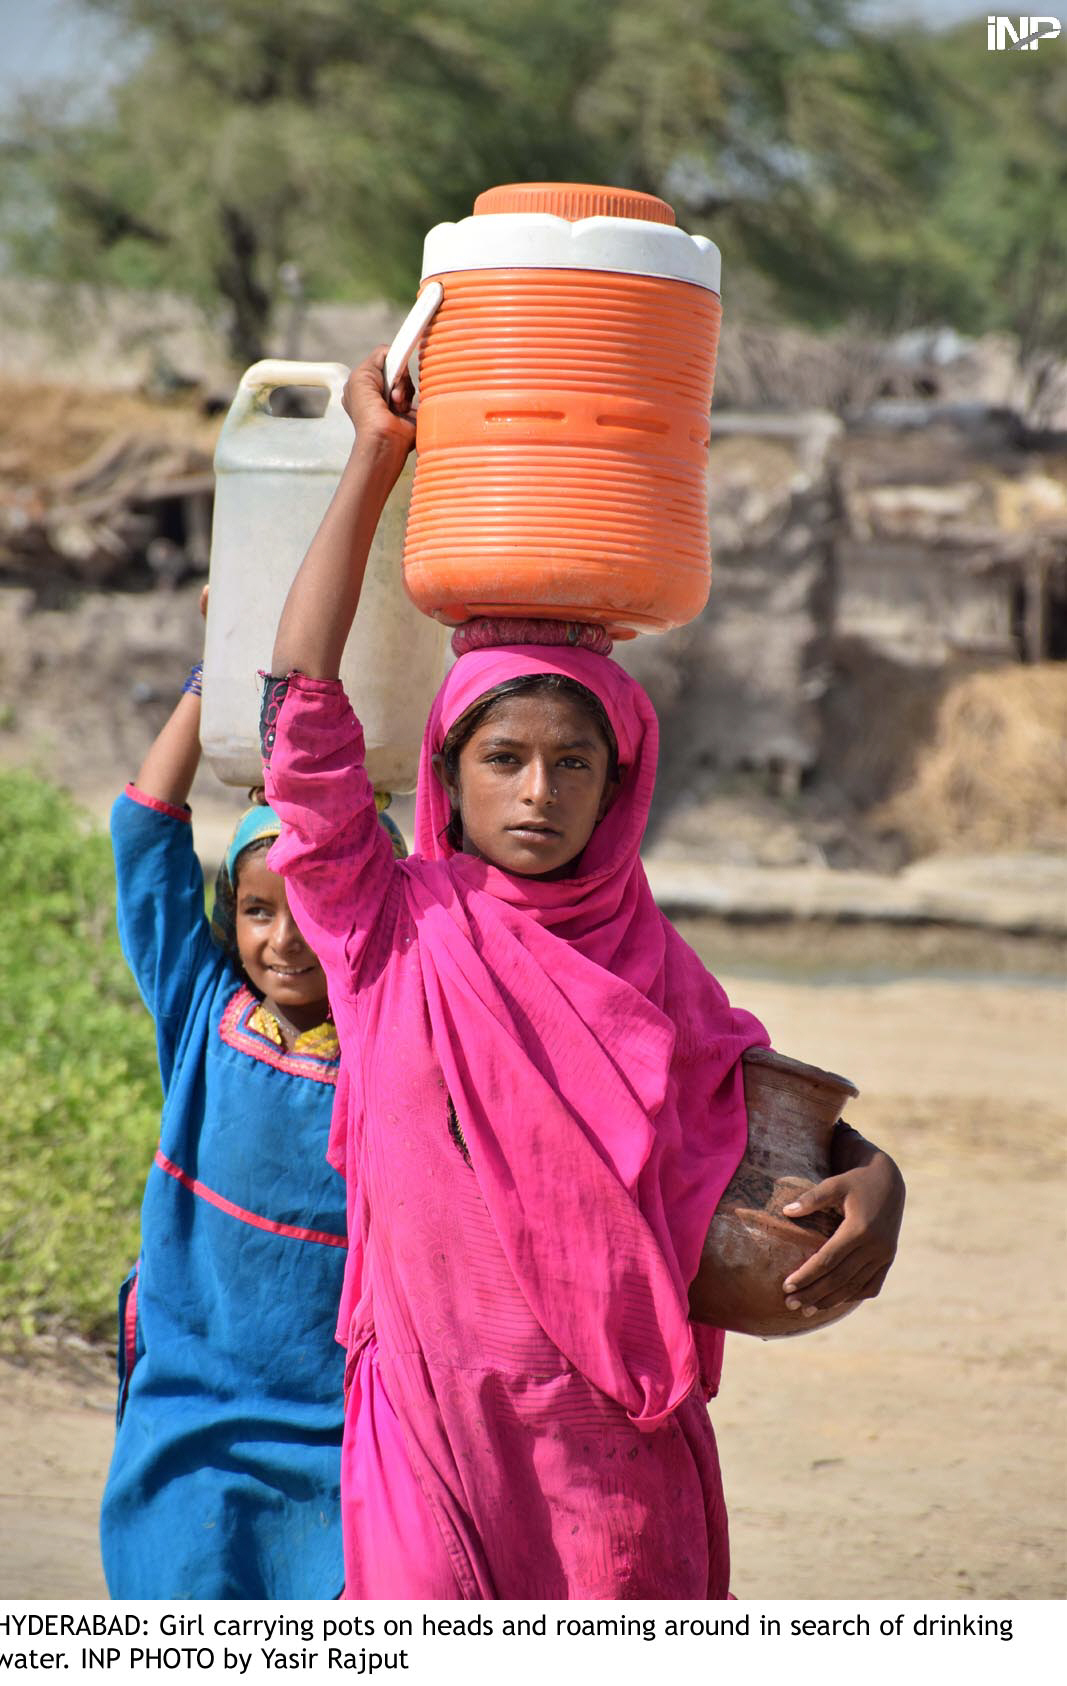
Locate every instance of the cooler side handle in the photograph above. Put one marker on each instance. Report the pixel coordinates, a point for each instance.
(410, 333)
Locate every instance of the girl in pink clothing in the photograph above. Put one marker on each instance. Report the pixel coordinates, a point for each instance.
(540, 1105)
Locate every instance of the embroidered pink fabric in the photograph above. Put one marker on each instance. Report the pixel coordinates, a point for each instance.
(518, 1324)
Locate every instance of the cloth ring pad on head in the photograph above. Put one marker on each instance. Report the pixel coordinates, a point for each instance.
(488, 632)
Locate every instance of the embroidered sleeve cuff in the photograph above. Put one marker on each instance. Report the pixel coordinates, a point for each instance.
(275, 690)
(274, 694)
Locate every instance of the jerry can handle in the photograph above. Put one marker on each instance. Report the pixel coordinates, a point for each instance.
(266, 376)
(410, 333)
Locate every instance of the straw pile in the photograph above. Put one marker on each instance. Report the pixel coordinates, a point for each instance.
(47, 429)
(93, 484)
(994, 775)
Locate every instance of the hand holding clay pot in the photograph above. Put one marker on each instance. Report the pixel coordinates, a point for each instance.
(753, 1247)
(867, 1189)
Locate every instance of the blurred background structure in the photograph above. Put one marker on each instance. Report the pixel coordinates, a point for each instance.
(863, 804)
(202, 182)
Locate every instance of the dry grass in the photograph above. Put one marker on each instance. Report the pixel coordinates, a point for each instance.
(49, 429)
(994, 775)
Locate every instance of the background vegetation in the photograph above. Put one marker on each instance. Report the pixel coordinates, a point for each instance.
(79, 1086)
(849, 171)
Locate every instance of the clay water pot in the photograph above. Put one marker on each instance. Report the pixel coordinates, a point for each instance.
(751, 1248)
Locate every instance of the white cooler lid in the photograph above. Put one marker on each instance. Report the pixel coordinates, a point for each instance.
(538, 240)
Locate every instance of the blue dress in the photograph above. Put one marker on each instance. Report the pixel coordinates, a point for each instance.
(225, 1478)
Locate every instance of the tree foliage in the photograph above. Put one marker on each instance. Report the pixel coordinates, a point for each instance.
(844, 171)
(999, 215)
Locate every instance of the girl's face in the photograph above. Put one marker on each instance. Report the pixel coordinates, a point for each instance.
(275, 956)
(532, 783)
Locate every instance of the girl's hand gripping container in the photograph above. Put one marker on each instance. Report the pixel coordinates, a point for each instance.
(565, 393)
(275, 477)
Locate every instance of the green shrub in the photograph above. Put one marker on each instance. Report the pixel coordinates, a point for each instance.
(79, 1086)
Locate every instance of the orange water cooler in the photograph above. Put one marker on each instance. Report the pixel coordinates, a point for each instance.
(565, 383)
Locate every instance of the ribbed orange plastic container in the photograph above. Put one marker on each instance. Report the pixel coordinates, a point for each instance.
(562, 436)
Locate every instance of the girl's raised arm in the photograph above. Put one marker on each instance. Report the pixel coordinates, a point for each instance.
(169, 767)
(324, 596)
(159, 885)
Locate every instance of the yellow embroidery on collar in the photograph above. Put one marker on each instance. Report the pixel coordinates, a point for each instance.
(266, 1024)
(320, 1040)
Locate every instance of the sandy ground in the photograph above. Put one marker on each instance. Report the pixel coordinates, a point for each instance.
(915, 1450)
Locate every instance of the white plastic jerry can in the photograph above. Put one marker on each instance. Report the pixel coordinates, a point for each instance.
(275, 476)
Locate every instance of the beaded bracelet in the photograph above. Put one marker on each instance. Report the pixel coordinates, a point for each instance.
(192, 684)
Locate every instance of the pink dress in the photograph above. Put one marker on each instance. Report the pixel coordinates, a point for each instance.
(540, 1103)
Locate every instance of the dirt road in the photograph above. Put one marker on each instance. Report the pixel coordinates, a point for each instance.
(915, 1450)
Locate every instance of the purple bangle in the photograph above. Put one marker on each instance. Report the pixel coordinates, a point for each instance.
(193, 682)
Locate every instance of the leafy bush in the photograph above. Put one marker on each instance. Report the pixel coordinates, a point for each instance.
(79, 1087)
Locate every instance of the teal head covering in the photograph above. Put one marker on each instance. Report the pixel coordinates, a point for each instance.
(259, 824)
(254, 825)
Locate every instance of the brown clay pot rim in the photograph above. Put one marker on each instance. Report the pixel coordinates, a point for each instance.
(783, 1062)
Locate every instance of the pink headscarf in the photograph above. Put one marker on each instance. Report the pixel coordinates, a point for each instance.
(592, 1060)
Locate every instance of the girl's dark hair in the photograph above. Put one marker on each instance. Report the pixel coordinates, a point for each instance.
(527, 685)
(224, 912)
(261, 846)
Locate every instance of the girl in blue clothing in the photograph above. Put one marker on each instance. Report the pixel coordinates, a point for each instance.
(225, 1478)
